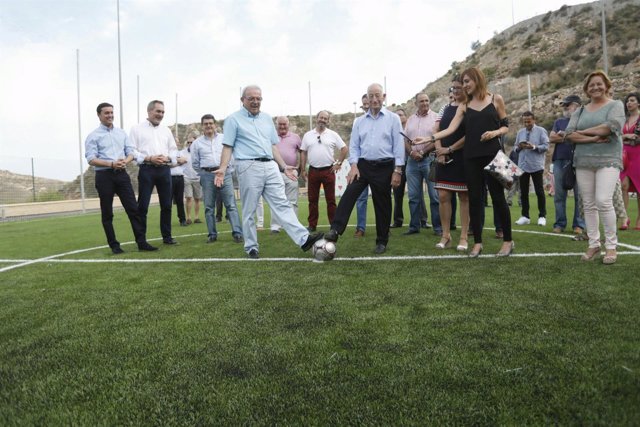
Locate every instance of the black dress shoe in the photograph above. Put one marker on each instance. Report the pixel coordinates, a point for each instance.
(395, 226)
(409, 232)
(311, 229)
(253, 254)
(212, 239)
(146, 247)
(237, 238)
(425, 225)
(183, 223)
(380, 248)
(117, 250)
(331, 236)
(170, 241)
(311, 240)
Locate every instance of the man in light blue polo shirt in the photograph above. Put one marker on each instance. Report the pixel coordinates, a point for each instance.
(251, 137)
(532, 142)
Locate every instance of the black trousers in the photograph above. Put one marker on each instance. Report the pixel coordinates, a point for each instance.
(177, 192)
(475, 176)
(110, 182)
(538, 185)
(398, 195)
(159, 177)
(377, 175)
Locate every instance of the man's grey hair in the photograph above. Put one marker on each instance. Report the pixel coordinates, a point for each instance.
(323, 111)
(246, 88)
(152, 104)
(284, 119)
(421, 93)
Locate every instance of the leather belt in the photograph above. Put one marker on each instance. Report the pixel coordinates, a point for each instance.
(211, 169)
(320, 169)
(379, 162)
(262, 159)
(154, 165)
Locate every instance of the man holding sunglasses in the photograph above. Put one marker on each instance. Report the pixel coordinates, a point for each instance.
(319, 146)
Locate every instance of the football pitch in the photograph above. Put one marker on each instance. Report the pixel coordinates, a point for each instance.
(197, 334)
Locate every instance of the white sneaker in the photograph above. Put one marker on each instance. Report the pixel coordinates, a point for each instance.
(523, 220)
(542, 221)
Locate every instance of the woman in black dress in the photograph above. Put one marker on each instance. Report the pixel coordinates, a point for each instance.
(450, 178)
(485, 121)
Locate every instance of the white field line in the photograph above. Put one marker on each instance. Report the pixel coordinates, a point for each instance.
(54, 258)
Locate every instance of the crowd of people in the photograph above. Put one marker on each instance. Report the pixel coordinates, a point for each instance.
(445, 152)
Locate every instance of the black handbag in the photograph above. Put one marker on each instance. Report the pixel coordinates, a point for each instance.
(569, 173)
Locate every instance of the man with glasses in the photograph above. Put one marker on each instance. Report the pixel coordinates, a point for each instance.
(319, 146)
(289, 148)
(205, 157)
(376, 156)
(532, 142)
(251, 137)
(421, 124)
(156, 150)
(192, 187)
(561, 158)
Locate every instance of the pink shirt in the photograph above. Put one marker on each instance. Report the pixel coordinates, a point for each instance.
(421, 125)
(289, 146)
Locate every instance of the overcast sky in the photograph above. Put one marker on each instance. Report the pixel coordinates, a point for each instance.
(205, 50)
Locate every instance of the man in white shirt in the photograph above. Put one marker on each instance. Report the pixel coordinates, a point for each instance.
(318, 147)
(156, 150)
(177, 185)
(192, 187)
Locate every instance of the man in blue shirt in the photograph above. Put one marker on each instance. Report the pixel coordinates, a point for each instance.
(251, 136)
(532, 142)
(562, 158)
(376, 156)
(108, 150)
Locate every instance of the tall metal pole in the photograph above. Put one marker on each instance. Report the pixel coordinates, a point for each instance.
(605, 58)
(513, 16)
(80, 133)
(120, 68)
(138, 109)
(529, 90)
(385, 90)
(33, 180)
(310, 113)
(176, 115)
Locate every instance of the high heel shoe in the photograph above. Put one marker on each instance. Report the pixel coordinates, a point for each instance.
(443, 243)
(475, 254)
(591, 254)
(625, 225)
(610, 257)
(502, 253)
(461, 247)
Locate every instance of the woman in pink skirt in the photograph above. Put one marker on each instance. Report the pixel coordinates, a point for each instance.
(630, 175)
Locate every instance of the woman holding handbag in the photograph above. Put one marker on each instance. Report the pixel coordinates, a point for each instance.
(485, 121)
(630, 175)
(598, 161)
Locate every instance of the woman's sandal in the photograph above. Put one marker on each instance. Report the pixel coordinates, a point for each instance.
(443, 243)
(610, 257)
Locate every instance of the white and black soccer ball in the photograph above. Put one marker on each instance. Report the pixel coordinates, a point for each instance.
(324, 250)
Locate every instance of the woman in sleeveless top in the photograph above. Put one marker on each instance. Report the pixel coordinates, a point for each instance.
(450, 172)
(485, 121)
(630, 175)
(596, 131)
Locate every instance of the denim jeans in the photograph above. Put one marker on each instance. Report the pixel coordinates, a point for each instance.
(417, 172)
(264, 179)
(560, 199)
(361, 210)
(228, 199)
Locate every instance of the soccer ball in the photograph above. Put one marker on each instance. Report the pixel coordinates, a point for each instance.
(324, 250)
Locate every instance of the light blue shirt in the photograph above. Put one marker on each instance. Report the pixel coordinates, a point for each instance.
(375, 138)
(250, 136)
(109, 144)
(206, 152)
(532, 160)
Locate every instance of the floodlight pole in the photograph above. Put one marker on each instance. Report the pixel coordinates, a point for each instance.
(310, 113)
(176, 116)
(529, 90)
(138, 90)
(120, 68)
(80, 133)
(605, 57)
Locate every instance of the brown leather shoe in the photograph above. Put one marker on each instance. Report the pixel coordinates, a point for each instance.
(578, 230)
(558, 230)
(358, 234)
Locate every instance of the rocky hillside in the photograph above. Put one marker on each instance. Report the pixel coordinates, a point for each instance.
(15, 188)
(555, 50)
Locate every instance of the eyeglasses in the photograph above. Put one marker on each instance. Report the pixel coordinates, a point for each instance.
(453, 89)
(254, 98)
(319, 140)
